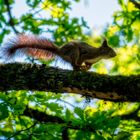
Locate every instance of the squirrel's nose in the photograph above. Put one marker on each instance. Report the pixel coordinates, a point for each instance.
(114, 54)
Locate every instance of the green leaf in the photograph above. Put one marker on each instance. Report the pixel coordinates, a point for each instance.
(129, 34)
(3, 111)
(114, 41)
(68, 115)
(79, 112)
(123, 136)
(55, 107)
(98, 137)
(80, 135)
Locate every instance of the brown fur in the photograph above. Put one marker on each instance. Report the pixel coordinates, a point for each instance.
(79, 54)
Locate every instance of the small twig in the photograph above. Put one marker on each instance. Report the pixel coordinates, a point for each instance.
(36, 12)
(66, 102)
(11, 22)
(22, 131)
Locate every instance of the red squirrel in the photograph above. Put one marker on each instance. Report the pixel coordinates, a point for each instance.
(78, 53)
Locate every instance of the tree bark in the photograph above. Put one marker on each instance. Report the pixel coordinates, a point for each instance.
(34, 77)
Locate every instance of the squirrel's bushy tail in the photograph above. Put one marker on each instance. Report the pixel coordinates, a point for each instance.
(30, 45)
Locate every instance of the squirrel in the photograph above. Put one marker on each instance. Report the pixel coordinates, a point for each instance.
(78, 53)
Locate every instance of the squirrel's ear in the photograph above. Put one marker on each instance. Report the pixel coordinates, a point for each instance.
(104, 44)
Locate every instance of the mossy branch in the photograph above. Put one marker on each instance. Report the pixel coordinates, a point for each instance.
(18, 76)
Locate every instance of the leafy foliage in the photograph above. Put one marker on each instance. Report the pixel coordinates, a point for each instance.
(125, 27)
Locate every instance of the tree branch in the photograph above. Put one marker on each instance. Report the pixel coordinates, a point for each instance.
(41, 116)
(89, 84)
(11, 21)
(45, 118)
(132, 115)
(18, 132)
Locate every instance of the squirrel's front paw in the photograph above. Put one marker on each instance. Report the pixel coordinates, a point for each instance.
(83, 68)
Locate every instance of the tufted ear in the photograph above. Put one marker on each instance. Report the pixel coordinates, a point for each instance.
(104, 44)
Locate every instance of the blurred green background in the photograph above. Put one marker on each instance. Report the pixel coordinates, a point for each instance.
(62, 21)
